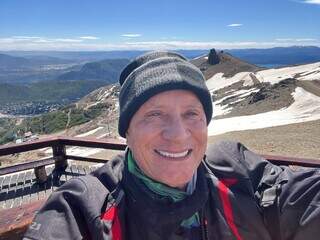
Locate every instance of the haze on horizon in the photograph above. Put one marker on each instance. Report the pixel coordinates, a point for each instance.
(143, 25)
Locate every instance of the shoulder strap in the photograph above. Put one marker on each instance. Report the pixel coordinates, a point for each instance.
(271, 214)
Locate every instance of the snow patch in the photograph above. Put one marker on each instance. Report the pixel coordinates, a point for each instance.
(217, 81)
(310, 76)
(306, 72)
(220, 109)
(201, 56)
(302, 72)
(306, 107)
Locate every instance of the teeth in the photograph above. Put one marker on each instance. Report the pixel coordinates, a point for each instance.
(173, 155)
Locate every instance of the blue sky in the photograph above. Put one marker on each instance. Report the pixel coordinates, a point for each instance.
(149, 24)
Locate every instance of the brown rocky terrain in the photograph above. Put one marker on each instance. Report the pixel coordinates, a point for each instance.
(294, 140)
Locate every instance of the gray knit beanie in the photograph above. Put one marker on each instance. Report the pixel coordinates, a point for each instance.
(156, 72)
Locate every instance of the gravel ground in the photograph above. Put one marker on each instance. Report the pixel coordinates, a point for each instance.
(294, 140)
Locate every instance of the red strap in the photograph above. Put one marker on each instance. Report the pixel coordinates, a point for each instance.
(223, 193)
(112, 215)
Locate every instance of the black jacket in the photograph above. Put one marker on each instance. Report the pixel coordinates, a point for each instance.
(239, 195)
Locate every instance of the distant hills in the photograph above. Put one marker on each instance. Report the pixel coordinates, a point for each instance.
(32, 76)
(107, 70)
(23, 70)
(31, 66)
(279, 55)
(70, 85)
(54, 91)
(9, 62)
(84, 56)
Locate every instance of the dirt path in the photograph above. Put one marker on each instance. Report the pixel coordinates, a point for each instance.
(69, 118)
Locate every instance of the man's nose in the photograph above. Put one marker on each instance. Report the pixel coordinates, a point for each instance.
(176, 129)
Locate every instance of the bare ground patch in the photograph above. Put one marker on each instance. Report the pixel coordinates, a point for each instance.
(295, 140)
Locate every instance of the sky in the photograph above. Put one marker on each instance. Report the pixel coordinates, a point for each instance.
(77, 25)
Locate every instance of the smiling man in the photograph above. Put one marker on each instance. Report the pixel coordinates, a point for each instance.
(166, 185)
(164, 137)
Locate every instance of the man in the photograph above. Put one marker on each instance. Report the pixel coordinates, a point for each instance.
(167, 186)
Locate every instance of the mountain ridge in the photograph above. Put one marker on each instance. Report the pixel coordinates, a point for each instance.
(272, 111)
(294, 55)
(107, 70)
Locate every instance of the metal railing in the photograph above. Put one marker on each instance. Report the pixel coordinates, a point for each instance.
(59, 155)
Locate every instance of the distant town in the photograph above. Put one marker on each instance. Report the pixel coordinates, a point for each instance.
(30, 108)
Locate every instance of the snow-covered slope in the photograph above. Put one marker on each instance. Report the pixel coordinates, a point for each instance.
(271, 99)
(304, 107)
(302, 72)
(218, 81)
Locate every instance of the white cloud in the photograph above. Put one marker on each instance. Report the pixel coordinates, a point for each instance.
(28, 39)
(42, 40)
(76, 44)
(296, 39)
(235, 25)
(25, 37)
(131, 35)
(306, 39)
(317, 2)
(284, 39)
(197, 45)
(66, 40)
(89, 37)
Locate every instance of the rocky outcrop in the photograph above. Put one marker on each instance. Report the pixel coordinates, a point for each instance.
(222, 63)
(276, 91)
(213, 57)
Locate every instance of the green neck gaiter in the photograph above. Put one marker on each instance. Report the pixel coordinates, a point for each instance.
(161, 190)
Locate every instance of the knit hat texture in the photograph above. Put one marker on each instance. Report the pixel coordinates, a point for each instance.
(156, 72)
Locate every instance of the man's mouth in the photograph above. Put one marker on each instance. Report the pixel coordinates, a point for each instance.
(173, 155)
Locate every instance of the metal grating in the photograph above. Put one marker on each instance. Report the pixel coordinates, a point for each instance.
(22, 187)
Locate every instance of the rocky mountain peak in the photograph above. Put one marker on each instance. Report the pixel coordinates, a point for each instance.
(213, 57)
(222, 62)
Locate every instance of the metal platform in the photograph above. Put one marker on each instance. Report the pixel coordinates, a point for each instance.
(22, 187)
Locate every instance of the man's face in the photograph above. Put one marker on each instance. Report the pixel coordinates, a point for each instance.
(168, 137)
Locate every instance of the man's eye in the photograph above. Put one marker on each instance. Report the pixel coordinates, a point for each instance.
(154, 114)
(192, 114)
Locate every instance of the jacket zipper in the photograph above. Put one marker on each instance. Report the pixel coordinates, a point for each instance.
(203, 224)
